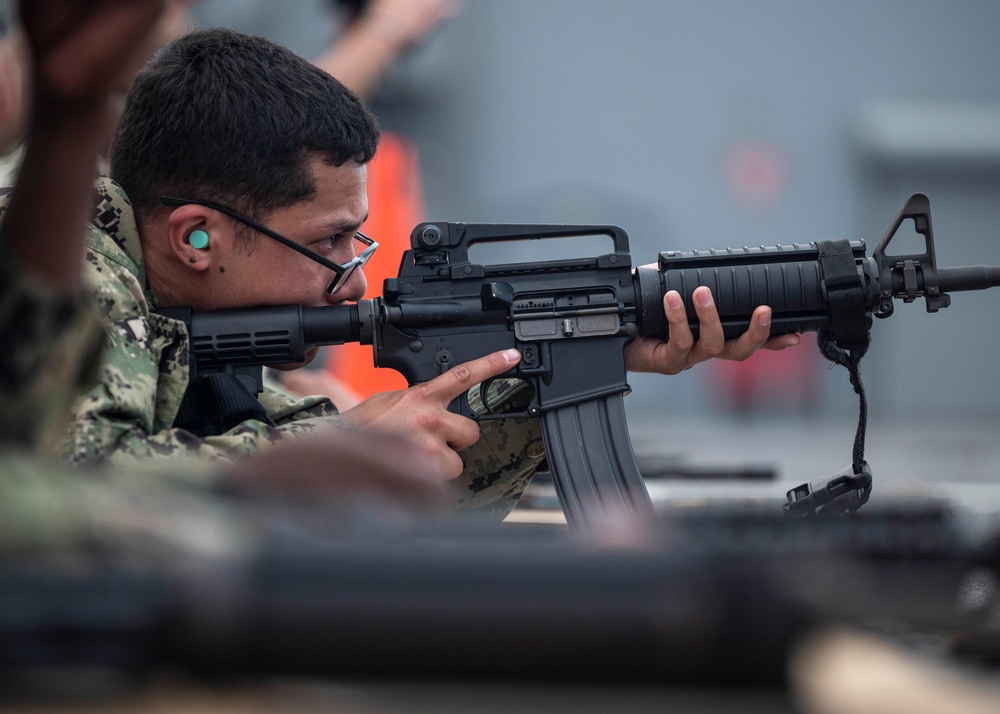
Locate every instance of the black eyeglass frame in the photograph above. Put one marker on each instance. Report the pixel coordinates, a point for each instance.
(342, 270)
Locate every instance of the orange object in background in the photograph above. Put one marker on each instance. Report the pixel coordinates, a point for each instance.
(396, 206)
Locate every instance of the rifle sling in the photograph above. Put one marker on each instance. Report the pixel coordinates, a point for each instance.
(215, 403)
(848, 324)
(844, 342)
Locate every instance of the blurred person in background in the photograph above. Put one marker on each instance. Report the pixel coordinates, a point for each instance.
(377, 34)
(357, 41)
(16, 83)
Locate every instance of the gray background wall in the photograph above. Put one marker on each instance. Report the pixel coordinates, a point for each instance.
(632, 112)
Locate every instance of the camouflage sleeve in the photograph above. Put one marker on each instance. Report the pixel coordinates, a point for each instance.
(128, 416)
(499, 466)
(147, 515)
(49, 352)
(285, 408)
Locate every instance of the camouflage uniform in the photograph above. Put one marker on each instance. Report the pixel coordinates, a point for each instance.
(49, 351)
(144, 375)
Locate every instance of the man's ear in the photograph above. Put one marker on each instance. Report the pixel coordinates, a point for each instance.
(198, 236)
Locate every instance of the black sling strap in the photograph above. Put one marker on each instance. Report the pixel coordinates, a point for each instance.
(215, 403)
(844, 342)
(848, 323)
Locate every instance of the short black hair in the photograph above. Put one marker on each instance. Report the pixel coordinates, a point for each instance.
(223, 116)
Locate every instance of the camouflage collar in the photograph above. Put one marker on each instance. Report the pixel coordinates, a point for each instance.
(117, 235)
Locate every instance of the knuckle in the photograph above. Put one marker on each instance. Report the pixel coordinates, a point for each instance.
(464, 435)
(713, 349)
(463, 373)
(740, 352)
(683, 343)
(416, 393)
(427, 421)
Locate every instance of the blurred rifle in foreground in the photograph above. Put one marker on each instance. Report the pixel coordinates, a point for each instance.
(570, 319)
(700, 597)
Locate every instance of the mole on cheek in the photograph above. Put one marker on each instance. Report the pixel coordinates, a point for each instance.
(222, 269)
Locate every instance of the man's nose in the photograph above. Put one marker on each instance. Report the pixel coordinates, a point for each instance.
(351, 291)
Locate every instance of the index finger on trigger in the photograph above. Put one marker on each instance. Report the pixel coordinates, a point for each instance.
(460, 378)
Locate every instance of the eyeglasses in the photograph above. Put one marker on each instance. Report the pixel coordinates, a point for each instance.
(343, 270)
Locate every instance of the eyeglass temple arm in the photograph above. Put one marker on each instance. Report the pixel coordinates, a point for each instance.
(172, 201)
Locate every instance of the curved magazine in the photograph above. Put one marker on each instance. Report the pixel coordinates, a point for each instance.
(593, 468)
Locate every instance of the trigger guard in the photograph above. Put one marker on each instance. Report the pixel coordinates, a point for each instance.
(475, 403)
(484, 390)
(460, 405)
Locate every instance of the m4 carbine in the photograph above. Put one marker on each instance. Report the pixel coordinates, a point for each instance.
(571, 319)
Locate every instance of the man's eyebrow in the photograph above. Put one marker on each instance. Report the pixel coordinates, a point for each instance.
(338, 228)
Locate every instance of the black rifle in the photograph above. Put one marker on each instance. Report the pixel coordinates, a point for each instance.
(706, 597)
(570, 320)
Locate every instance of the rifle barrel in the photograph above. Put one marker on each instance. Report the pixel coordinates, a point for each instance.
(969, 277)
